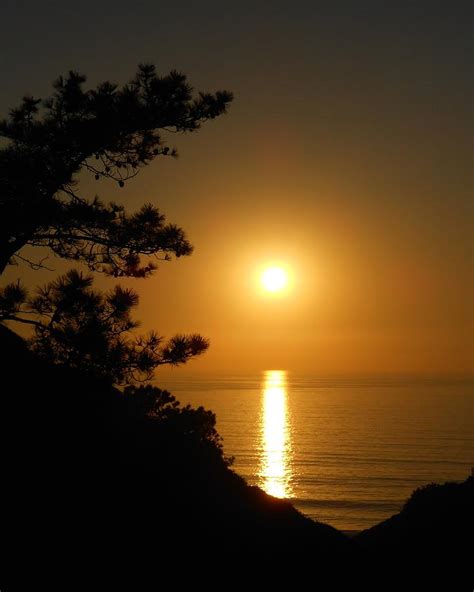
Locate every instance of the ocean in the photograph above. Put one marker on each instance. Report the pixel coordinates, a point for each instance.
(345, 451)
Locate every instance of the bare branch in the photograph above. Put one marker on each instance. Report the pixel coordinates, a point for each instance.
(34, 264)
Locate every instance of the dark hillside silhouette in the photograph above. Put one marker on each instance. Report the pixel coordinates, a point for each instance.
(430, 538)
(131, 472)
(141, 480)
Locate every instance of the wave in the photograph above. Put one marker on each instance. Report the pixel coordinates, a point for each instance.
(372, 505)
(295, 382)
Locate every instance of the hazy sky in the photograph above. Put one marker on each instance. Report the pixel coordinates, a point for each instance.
(347, 156)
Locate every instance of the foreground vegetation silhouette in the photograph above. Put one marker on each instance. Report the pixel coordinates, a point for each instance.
(107, 132)
(48, 146)
(83, 328)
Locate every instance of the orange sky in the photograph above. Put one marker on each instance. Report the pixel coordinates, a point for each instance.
(346, 156)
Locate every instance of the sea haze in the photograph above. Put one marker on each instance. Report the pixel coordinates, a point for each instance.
(345, 451)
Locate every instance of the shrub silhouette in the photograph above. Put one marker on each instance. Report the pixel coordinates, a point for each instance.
(188, 428)
(80, 327)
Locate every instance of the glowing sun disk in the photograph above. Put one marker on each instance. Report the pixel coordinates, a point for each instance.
(274, 279)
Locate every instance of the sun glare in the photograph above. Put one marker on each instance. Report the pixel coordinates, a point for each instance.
(275, 471)
(274, 279)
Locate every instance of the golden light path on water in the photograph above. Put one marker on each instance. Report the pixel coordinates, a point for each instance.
(275, 471)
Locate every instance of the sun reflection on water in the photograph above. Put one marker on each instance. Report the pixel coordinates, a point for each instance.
(275, 472)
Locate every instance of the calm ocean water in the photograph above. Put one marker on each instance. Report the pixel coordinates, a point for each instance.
(344, 451)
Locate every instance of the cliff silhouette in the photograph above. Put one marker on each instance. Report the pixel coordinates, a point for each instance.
(88, 480)
(82, 466)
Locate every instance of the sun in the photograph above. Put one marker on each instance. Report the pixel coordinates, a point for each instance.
(274, 279)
